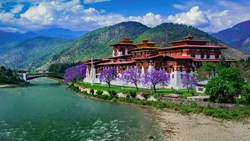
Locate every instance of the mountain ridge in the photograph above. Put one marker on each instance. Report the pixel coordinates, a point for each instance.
(162, 35)
(236, 36)
(47, 50)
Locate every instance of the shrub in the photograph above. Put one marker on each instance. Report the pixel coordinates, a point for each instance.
(113, 93)
(246, 94)
(92, 91)
(193, 104)
(99, 92)
(85, 92)
(146, 95)
(132, 94)
(105, 97)
(193, 93)
(179, 92)
(128, 96)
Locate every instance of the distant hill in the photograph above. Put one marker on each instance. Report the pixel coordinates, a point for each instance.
(55, 33)
(32, 53)
(9, 37)
(166, 33)
(41, 51)
(238, 36)
(31, 49)
(97, 43)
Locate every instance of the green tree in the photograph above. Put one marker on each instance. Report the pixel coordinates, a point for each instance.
(8, 76)
(209, 70)
(225, 87)
(246, 94)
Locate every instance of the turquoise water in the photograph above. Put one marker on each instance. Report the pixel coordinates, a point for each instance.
(47, 111)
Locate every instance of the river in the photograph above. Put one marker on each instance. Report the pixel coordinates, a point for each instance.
(47, 111)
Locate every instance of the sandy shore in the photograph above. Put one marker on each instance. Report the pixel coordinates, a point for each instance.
(177, 127)
(4, 86)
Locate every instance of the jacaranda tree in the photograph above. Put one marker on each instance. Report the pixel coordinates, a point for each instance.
(107, 75)
(75, 73)
(151, 79)
(188, 81)
(131, 76)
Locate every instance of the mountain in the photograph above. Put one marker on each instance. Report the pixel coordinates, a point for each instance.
(31, 49)
(42, 51)
(166, 33)
(238, 36)
(97, 43)
(32, 53)
(8, 37)
(55, 33)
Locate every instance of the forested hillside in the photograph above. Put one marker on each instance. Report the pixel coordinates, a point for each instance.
(32, 53)
(41, 51)
(97, 43)
(166, 33)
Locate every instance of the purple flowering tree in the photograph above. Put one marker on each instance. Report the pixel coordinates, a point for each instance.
(75, 73)
(188, 81)
(131, 76)
(151, 79)
(107, 75)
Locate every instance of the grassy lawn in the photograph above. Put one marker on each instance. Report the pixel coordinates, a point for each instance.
(127, 89)
(238, 114)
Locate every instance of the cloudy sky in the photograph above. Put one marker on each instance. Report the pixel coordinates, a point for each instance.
(87, 15)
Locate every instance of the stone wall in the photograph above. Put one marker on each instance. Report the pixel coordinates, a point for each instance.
(201, 103)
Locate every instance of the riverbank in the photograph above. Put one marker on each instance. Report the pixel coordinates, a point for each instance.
(195, 127)
(6, 85)
(19, 84)
(180, 122)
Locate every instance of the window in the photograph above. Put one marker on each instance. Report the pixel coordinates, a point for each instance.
(192, 53)
(217, 54)
(200, 89)
(202, 54)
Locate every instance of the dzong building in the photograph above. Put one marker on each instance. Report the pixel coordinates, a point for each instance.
(184, 56)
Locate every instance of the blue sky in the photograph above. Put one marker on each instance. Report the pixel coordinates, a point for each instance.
(87, 15)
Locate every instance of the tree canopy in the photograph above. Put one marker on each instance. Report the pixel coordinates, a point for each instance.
(107, 75)
(151, 79)
(225, 87)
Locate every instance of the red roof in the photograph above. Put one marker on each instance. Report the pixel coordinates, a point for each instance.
(180, 57)
(123, 44)
(193, 46)
(116, 63)
(175, 57)
(211, 60)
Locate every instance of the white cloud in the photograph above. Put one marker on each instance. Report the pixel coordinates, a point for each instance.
(149, 19)
(179, 6)
(194, 17)
(17, 9)
(94, 1)
(71, 15)
(221, 15)
(232, 14)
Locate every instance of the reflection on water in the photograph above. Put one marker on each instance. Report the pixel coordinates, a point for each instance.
(48, 111)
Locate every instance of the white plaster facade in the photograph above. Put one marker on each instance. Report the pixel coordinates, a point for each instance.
(175, 81)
